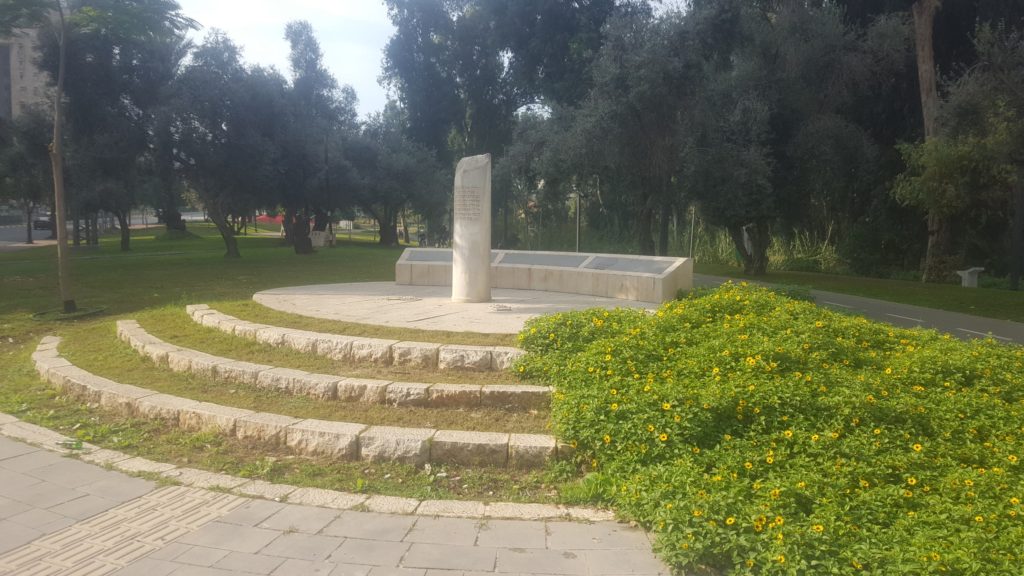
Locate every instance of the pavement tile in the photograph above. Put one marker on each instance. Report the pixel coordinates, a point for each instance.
(252, 513)
(386, 571)
(249, 563)
(618, 562)
(70, 473)
(83, 507)
(187, 570)
(31, 461)
(171, 551)
(10, 449)
(42, 494)
(303, 546)
(201, 556)
(455, 531)
(264, 489)
(370, 526)
(351, 570)
(294, 567)
(119, 488)
(37, 518)
(10, 507)
(147, 567)
(12, 480)
(603, 536)
(451, 508)
(295, 518)
(231, 537)
(541, 562)
(440, 556)
(13, 535)
(371, 552)
(512, 534)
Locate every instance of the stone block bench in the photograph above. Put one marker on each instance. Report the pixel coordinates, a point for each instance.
(327, 386)
(360, 349)
(342, 440)
(641, 278)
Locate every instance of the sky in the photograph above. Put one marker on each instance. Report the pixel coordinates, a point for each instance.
(352, 35)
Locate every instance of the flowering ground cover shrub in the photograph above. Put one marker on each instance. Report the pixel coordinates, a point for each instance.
(756, 434)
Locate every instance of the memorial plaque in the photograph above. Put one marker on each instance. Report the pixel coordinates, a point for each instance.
(429, 255)
(641, 265)
(529, 259)
(471, 232)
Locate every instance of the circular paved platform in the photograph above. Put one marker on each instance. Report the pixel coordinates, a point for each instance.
(429, 307)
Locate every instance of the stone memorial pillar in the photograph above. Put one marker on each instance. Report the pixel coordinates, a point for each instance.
(471, 233)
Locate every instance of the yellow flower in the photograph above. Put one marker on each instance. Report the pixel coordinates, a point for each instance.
(715, 370)
(607, 357)
(650, 428)
(613, 391)
(818, 528)
(607, 439)
(801, 484)
(788, 433)
(968, 483)
(888, 370)
(775, 493)
(814, 437)
(663, 437)
(907, 493)
(730, 521)
(877, 431)
(697, 513)
(979, 518)
(864, 483)
(769, 460)
(917, 447)
(615, 406)
(666, 406)
(781, 559)
(748, 465)
(911, 480)
(677, 417)
(779, 521)
(1012, 459)
(1015, 501)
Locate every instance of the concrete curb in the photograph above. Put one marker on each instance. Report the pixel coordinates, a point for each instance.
(327, 386)
(47, 439)
(357, 349)
(310, 436)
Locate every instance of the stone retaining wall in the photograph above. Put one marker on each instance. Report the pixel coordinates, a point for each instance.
(330, 387)
(341, 440)
(360, 349)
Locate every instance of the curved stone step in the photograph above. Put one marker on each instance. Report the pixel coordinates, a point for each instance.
(342, 440)
(331, 387)
(361, 349)
(12, 427)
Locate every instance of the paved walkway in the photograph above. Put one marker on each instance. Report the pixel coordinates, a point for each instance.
(62, 516)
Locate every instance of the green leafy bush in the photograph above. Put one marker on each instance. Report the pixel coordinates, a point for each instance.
(762, 435)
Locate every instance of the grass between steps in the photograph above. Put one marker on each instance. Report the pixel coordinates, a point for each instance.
(24, 395)
(174, 326)
(96, 349)
(256, 312)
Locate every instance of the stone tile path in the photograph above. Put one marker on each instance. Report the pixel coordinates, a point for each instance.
(62, 516)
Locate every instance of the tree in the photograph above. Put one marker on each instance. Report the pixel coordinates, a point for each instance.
(393, 171)
(227, 121)
(137, 19)
(24, 162)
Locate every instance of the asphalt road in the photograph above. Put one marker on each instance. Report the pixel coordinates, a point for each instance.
(960, 325)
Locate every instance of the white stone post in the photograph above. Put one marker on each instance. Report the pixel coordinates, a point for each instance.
(471, 234)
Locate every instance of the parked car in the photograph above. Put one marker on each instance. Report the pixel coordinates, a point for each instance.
(41, 223)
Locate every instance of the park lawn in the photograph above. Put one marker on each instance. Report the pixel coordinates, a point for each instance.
(159, 277)
(987, 302)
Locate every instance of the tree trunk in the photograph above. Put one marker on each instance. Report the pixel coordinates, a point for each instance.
(387, 220)
(663, 221)
(936, 261)
(300, 235)
(29, 208)
(288, 224)
(645, 222)
(126, 232)
(1017, 251)
(760, 238)
(172, 218)
(226, 233)
(57, 164)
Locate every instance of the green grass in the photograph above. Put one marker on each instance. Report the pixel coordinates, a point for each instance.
(153, 283)
(987, 302)
(172, 325)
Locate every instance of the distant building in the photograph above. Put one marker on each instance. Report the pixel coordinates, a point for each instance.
(22, 84)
